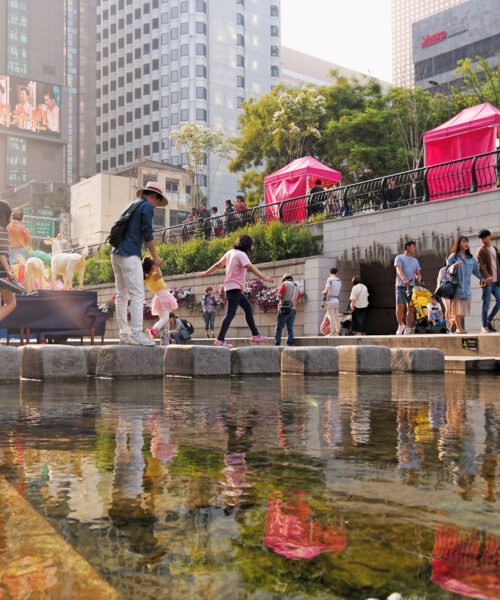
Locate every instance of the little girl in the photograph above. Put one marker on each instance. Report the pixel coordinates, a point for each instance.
(163, 300)
(237, 263)
(208, 304)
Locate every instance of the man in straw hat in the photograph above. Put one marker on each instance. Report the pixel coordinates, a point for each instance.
(127, 266)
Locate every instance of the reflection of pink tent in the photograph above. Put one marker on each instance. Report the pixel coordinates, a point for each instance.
(471, 132)
(295, 180)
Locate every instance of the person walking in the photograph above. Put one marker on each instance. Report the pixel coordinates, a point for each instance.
(19, 237)
(289, 296)
(442, 277)
(331, 295)
(127, 266)
(408, 273)
(237, 262)
(208, 304)
(163, 301)
(488, 259)
(8, 297)
(464, 266)
(359, 305)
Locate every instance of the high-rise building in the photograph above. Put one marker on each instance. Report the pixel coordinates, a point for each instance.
(162, 63)
(47, 92)
(439, 42)
(404, 14)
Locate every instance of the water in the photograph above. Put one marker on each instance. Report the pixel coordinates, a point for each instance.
(267, 488)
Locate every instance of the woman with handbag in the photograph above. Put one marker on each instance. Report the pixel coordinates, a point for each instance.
(464, 265)
(446, 286)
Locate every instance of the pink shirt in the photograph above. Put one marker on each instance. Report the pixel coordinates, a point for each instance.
(236, 263)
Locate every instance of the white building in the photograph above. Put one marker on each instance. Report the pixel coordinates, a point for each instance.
(404, 14)
(163, 63)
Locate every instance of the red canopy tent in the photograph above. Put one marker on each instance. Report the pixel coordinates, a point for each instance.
(471, 132)
(295, 180)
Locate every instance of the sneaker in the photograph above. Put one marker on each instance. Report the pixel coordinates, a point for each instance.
(125, 339)
(486, 330)
(164, 338)
(223, 344)
(400, 330)
(491, 327)
(140, 339)
(407, 331)
(152, 333)
(259, 339)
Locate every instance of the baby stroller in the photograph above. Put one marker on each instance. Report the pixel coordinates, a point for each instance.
(420, 298)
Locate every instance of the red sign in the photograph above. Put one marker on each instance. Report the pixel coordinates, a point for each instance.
(435, 38)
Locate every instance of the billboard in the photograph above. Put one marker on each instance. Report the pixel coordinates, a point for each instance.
(30, 105)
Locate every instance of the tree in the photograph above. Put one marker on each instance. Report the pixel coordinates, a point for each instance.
(197, 143)
(57, 200)
(481, 82)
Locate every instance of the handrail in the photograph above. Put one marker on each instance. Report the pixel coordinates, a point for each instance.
(445, 180)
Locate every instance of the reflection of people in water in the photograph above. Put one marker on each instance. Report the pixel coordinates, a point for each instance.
(23, 113)
(51, 109)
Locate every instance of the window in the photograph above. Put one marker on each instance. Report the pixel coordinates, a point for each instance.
(174, 76)
(174, 33)
(112, 143)
(137, 14)
(275, 51)
(174, 97)
(146, 89)
(172, 185)
(137, 73)
(184, 6)
(137, 33)
(137, 53)
(146, 129)
(201, 93)
(164, 59)
(130, 38)
(201, 50)
(201, 71)
(174, 12)
(240, 60)
(129, 97)
(164, 18)
(184, 28)
(240, 19)
(164, 101)
(146, 49)
(146, 109)
(156, 105)
(156, 147)
(184, 114)
(137, 93)
(164, 39)
(156, 126)
(201, 6)
(155, 84)
(275, 71)
(201, 114)
(105, 146)
(184, 71)
(121, 121)
(240, 81)
(137, 133)
(137, 113)
(240, 2)
(184, 49)
(121, 139)
(239, 101)
(121, 102)
(164, 123)
(146, 69)
(275, 31)
(184, 93)
(156, 64)
(174, 54)
(275, 11)
(175, 119)
(201, 27)
(240, 40)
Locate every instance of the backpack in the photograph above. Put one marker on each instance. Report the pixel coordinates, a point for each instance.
(119, 229)
(188, 326)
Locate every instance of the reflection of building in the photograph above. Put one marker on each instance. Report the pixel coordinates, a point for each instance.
(97, 202)
(404, 14)
(466, 31)
(47, 92)
(160, 65)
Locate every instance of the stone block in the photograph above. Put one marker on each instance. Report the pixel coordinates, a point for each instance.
(364, 359)
(256, 360)
(417, 360)
(53, 362)
(310, 360)
(130, 362)
(197, 361)
(91, 354)
(10, 359)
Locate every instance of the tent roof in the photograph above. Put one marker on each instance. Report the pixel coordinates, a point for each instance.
(306, 165)
(468, 119)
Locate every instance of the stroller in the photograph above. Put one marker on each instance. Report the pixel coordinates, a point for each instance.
(420, 298)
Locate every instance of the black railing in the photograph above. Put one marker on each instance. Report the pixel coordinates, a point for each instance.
(454, 178)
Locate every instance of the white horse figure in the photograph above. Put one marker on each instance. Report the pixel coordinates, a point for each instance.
(35, 277)
(66, 264)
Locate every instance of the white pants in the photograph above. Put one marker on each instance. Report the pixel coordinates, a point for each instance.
(129, 281)
(333, 314)
(162, 320)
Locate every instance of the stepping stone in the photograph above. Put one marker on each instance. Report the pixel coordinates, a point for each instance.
(10, 359)
(417, 360)
(53, 362)
(197, 361)
(255, 360)
(364, 359)
(129, 362)
(310, 360)
(468, 364)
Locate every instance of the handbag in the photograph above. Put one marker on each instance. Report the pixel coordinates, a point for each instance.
(286, 307)
(448, 287)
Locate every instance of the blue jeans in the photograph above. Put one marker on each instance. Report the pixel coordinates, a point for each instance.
(281, 321)
(181, 336)
(489, 290)
(236, 298)
(209, 318)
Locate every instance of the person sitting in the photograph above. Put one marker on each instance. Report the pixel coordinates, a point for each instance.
(435, 313)
(390, 195)
(316, 201)
(178, 330)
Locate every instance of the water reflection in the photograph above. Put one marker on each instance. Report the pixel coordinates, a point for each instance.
(249, 487)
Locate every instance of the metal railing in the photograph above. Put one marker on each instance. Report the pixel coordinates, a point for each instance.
(445, 180)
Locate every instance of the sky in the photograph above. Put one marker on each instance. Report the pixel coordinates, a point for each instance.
(351, 33)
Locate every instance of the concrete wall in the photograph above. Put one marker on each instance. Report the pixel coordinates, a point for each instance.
(371, 240)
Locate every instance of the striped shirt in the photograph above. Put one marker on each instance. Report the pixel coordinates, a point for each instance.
(4, 248)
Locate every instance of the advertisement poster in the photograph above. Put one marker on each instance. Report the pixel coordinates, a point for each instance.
(30, 105)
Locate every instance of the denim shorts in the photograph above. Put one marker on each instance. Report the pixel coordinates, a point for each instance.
(401, 297)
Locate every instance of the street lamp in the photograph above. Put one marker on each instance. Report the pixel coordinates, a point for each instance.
(436, 84)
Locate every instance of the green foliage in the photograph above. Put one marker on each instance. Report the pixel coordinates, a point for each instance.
(58, 200)
(272, 242)
(481, 82)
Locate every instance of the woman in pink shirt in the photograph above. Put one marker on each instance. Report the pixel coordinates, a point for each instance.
(237, 263)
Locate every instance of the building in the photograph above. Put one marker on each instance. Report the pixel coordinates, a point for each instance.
(97, 202)
(298, 69)
(161, 64)
(404, 14)
(465, 31)
(47, 92)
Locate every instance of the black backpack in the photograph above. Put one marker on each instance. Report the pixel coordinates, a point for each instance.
(188, 326)
(119, 229)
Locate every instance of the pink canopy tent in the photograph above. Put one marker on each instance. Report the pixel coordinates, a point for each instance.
(471, 132)
(295, 180)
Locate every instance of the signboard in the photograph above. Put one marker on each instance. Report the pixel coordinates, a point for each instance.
(30, 105)
(470, 344)
(39, 227)
(435, 38)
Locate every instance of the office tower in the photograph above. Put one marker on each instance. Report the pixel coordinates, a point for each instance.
(47, 93)
(164, 63)
(440, 41)
(404, 14)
